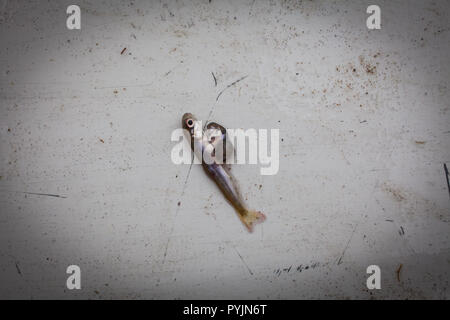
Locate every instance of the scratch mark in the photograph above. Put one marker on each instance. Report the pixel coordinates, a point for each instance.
(37, 194)
(46, 194)
(346, 246)
(215, 80)
(212, 108)
(446, 176)
(176, 212)
(18, 269)
(243, 261)
(230, 85)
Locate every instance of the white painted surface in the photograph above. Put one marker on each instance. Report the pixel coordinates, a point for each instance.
(79, 119)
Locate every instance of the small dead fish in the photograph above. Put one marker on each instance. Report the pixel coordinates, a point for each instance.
(218, 170)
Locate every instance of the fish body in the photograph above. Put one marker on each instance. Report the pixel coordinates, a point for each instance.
(218, 170)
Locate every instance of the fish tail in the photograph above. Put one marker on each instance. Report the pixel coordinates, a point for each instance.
(251, 217)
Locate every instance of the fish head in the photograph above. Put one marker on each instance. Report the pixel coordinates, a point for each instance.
(192, 126)
(188, 121)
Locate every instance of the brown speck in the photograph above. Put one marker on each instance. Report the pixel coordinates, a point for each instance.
(371, 69)
(101, 140)
(179, 203)
(123, 50)
(398, 195)
(116, 92)
(420, 142)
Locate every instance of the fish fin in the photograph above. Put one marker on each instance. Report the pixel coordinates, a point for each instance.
(251, 217)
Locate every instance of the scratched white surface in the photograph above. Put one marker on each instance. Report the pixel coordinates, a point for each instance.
(364, 132)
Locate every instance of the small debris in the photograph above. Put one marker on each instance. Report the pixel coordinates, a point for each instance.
(101, 140)
(123, 50)
(447, 177)
(420, 142)
(179, 203)
(399, 269)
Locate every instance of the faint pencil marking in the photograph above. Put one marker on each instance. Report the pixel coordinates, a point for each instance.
(176, 213)
(230, 85)
(243, 261)
(212, 108)
(346, 246)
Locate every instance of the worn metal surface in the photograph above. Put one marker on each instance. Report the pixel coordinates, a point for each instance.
(364, 124)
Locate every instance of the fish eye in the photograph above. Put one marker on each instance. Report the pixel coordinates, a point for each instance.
(190, 123)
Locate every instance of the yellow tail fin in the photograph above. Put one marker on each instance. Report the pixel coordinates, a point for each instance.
(251, 217)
